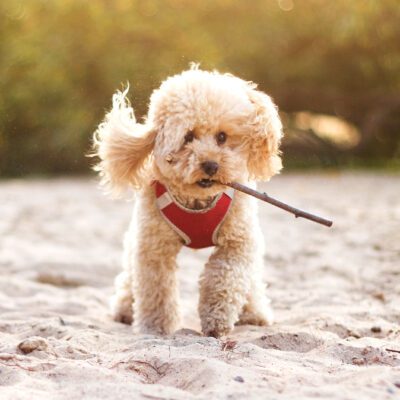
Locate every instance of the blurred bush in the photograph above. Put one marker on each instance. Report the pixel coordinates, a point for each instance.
(61, 60)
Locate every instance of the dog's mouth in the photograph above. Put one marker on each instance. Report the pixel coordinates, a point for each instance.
(205, 183)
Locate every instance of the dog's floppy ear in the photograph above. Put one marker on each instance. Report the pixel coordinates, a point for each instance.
(264, 157)
(123, 146)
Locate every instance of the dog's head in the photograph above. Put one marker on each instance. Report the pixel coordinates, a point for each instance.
(202, 128)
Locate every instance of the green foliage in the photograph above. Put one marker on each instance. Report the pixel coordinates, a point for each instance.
(61, 60)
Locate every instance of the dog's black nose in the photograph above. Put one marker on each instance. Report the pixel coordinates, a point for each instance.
(209, 167)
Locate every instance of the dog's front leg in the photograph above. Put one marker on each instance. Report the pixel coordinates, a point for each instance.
(155, 284)
(224, 287)
(156, 305)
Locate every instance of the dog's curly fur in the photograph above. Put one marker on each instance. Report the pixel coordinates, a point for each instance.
(133, 154)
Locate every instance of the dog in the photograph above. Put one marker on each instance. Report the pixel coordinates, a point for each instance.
(203, 129)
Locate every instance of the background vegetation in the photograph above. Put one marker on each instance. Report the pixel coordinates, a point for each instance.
(61, 60)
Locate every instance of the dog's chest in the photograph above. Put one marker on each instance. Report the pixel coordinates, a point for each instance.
(197, 228)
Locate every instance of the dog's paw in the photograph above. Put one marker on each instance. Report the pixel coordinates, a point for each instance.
(258, 318)
(216, 333)
(122, 311)
(216, 328)
(157, 329)
(123, 318)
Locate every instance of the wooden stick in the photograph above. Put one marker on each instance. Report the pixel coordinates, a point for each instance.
(393, 350)
(264, 197)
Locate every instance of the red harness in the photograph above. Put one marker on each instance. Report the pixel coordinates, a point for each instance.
(197, 228)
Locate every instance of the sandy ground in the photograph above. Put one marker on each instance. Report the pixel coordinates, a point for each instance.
(335, 293)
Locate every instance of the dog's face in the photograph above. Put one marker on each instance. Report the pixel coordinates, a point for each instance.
(207, 128)
(203, 129)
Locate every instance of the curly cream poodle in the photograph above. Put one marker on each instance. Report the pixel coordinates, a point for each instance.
(203, 129)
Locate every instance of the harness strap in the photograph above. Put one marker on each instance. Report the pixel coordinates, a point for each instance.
(197, 228)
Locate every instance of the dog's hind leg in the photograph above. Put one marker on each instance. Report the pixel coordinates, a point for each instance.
(257, 310)
(122, 301)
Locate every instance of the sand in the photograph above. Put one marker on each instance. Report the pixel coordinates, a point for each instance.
(336, 295)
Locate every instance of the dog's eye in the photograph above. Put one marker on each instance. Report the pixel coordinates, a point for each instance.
(220, 137)
(189, 137)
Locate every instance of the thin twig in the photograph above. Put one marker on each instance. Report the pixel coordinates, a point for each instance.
(263, 196)
(393, 350)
